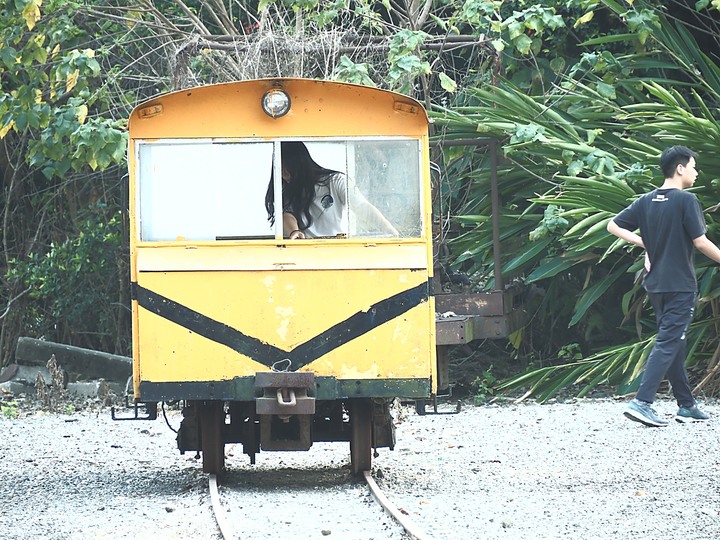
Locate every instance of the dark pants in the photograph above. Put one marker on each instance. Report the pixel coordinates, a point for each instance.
(673, 313)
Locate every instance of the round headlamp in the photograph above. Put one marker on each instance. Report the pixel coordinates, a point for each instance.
(276, 103)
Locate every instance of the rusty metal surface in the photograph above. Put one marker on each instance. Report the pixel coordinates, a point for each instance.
(484, 304)
(469, 316)
(284, 393)
(293, 434)
(383, 427)
(270, 405)
(443, 367)
(464, 329)
(457, 330)
(284, 379)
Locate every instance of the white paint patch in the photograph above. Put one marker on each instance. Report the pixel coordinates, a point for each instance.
(351, 372)
(401, 333)
(284, 315)
(269, 283)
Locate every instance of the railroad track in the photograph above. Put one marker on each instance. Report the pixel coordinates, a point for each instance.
(233, 515)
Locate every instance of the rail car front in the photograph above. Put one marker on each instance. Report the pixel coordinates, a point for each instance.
(271, 342)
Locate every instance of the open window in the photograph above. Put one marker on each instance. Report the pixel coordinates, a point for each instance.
(382, 185)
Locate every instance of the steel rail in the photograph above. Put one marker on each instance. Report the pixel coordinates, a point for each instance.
(405, 522)
(225, 529)
(410, 527)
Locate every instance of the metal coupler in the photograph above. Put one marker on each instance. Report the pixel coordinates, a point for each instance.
(285, 392)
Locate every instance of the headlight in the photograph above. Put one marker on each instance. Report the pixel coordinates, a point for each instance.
(276, 103)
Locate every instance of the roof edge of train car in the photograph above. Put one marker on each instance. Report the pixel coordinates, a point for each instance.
(144, 108)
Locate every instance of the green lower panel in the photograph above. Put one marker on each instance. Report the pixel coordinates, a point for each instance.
(326, 388)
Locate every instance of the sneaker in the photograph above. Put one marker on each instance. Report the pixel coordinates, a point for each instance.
(691, 414)
(640, 411)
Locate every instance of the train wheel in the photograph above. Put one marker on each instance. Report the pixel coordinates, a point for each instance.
(212, 420)
(361, 435)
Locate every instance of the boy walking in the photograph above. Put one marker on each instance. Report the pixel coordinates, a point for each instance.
(671, 226)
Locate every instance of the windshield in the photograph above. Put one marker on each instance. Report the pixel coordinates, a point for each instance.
(225, 190)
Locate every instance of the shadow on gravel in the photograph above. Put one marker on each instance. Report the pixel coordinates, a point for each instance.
(280, 479)
(139, 482)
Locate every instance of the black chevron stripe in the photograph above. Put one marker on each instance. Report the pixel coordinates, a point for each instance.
(353, 327)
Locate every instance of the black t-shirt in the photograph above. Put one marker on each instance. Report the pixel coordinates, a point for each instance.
(669, 220)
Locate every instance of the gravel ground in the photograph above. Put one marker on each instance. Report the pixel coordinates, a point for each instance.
(559, 470)
(576, 469)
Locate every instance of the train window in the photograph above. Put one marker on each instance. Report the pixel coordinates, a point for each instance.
(369, 188)
(203, 190)
(216, 190)
(388, 174)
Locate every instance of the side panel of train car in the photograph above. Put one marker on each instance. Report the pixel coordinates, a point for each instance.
(271, 342)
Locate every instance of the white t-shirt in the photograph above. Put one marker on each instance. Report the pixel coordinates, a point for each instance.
(329, 208)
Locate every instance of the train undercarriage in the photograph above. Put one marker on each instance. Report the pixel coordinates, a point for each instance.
(207, 426)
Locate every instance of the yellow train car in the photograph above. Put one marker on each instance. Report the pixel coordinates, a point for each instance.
(279, 323)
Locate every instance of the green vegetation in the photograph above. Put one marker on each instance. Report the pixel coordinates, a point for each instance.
(578, 96)
(574, 156)
(485, 386)
(61, 145)
(9, 409)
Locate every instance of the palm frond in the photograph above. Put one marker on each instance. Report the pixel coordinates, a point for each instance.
(586, 148)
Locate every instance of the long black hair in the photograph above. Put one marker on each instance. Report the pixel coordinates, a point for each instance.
(299, 193)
